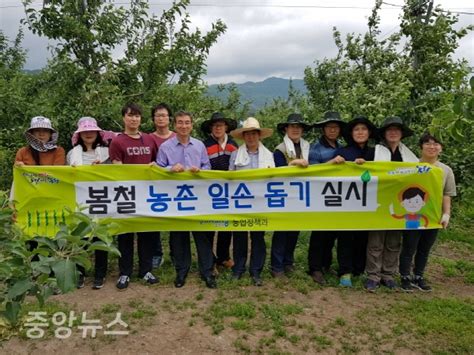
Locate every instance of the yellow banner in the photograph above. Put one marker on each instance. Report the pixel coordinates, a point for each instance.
(372, 196)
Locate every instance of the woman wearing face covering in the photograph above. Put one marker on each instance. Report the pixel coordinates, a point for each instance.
(42, 148)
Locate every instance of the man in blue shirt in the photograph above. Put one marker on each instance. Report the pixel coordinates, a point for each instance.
(178, 154)
(324, 151)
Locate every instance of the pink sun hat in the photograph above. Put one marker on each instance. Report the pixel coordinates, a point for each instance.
(86, 124)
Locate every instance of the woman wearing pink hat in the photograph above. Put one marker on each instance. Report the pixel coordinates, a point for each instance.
(89, 149)
(89, 146)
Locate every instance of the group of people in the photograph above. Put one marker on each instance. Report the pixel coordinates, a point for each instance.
(380, 254)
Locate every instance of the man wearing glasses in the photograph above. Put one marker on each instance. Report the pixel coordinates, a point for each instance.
(161, 115)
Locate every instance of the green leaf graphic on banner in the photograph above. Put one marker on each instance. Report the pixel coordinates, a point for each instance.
(38, 219)
(55, 218)
(365, 177)
(29, 219)
(46, 218)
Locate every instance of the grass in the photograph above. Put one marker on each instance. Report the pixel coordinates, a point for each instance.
(460, 229)
(457, 268)
(282, 317)
(440, 325)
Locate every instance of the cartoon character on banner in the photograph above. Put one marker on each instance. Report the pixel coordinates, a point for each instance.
(413, 199)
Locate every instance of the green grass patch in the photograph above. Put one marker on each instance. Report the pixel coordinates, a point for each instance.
(441, 325)
(457, 268)
(461, 228)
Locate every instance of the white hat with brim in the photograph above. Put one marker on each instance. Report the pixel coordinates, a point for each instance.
(40, 122)
(251, 124)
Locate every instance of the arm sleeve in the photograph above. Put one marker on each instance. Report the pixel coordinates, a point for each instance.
(60, 156)
(115, 152)
(19, 155)
(449, 188)
(162, 159)
(279, 158)
(232, 160)
(68, 157)
(205, 163)
(314, 156)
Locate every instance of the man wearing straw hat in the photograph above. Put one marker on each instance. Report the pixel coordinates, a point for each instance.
(251, 155)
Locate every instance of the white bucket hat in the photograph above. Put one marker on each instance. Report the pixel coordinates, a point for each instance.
(41, 122)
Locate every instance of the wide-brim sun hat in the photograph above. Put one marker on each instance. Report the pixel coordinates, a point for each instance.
(293, 118)
(251, 124)
(397, 122)
(86, 124)
(40, 122)
(331, 117)
(206, 126)
(362, 120)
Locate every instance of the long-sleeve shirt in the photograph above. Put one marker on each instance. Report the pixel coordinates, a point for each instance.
(218, 156)
(51, 157)
(253, 163)
(321, 151)
(353, 152)
(191, 154)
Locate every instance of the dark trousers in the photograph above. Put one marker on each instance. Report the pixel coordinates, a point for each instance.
(145, 252)
(283, 249)
(223, 245)
(352, 252)
(320, 250)
(100, 264)
(157, 246)
(417, 243)
(258, 252)
(181, 249)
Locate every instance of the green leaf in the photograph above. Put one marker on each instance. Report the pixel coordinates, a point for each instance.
(20, 288)
(471, 83)
(66, 274)
(12, 309)
(82, 260)
(83, 229)
(457, 104)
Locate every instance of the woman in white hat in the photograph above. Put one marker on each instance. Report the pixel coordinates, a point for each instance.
(42, 148)
(89, 149)
(251, 155)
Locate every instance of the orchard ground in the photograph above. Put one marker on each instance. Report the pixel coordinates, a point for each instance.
(292, 315)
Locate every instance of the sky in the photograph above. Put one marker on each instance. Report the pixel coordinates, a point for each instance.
(264, 38)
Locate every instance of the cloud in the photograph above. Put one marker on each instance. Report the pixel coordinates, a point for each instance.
(264, 41)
